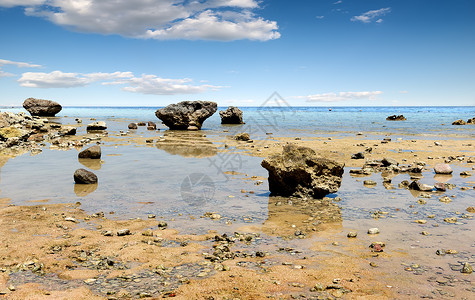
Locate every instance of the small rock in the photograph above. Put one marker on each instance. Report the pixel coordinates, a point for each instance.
(123, 232)
(93, 152)
(162, 225)
(467, 268)
(421, 221)
(373, 231)
(459, 122)
(83, 176)
(132, 126)
(96, 126)
(242, 137)
(369, 182)
(359, 155)
(465, 173)
(352, 234)
(471, 209)
(443, 169)
(445, 199)
(451, 220)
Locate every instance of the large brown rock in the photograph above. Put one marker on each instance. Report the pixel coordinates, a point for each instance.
(84, 176)
(299, 172)
(188, 115)
(443, 169)
(396, 118)
(93, 152)
(232, 115)
(459, 122)
(41, 107)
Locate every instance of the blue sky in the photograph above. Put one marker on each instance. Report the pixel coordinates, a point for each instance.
(238, 52)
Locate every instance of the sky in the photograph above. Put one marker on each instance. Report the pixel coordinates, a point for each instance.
(238, 52)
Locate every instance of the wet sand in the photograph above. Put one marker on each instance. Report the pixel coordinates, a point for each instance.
(301, 250)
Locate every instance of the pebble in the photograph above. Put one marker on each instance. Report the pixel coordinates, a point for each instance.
(421, 221)
(373, 231)
(352, 234)
(451, 220)
(467, 268)
(69, 219)
(162, 225)
(424, 233)
(445, 199)
(123, 232)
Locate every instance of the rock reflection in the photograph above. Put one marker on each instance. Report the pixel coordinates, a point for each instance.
(443, 177)
(94, 164)
(297, 218)
(187, 144)
(82, 190)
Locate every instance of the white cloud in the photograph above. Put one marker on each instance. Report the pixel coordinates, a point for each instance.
(319, 17)
(341, 96)
(17, 63)
(146, 84)
(338, 2)
(369, 16)
(5, 74)
(221, 20)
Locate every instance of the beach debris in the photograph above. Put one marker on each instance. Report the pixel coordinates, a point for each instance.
(41, 107)
(96, 126)
(232, 115)
(443, 169)
(132, 126)
(83, 176)
(242, 137)
(188, 115)
(299, 172)
(93, 152)
(396, 118)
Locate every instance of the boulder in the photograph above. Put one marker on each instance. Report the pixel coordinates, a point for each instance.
(132, 126)
(242, 137)
(97, 126)
(471, 121)
(186, 114)
(68, 130)
(232, 115)
(417, 186)
(151, 126)
(84, 176)
(299, 172)
(396, 118)
(443, 169)
(459, 122)
(41, 107)
(93, 152)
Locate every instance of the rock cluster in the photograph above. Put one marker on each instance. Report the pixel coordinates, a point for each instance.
(41, 107)
(186, 115)
(299, 172)
(396, 118)
(462, 122)
(232, 115)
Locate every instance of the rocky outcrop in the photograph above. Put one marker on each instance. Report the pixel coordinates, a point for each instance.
(97, 126)
(299, 172)
(396, 118)
(41, 107)
(459, 122)
(93, 152)
(232, 115)
(83, 176)
(186, 115)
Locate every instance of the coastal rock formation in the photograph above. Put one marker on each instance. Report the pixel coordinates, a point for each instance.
(396, 118)
(41, 107)
(232, 115)
(93, 152)
(471, 121)
(299, 172)
(418, 186)
(97, 126)
(84, 176)
(186, 115)
(151, 126)
(459, 122)
(443, 169)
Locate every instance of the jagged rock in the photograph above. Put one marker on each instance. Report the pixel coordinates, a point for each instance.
(299, 172)
(97, 126)
(186, 114)
(389, 162)
(459, 122)
(443, 169)
(396, 118)
(84, 176)
(242, 137)
(41, 107)
(93, 152)
(132, 126)
(13, 132)
(417, 186)
(232, 115)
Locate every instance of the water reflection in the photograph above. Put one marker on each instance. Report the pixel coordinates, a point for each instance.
(442, 177)
(297, 217)
(94, 164)
(82, 190)
(187, 144)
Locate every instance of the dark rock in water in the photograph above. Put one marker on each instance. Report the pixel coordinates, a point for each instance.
(443, 169)
(41, 107)
(132, 126)
(186, 114)
(151, 126)
(471, 121)
(242, 137)
(299, 172)
(396, 118)
(440, 186)
(459, 122)
(93, 152)
(417, 186)
(84, 176)
(68, 130)
(96, 126)
(232, 115)
(359, 155)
